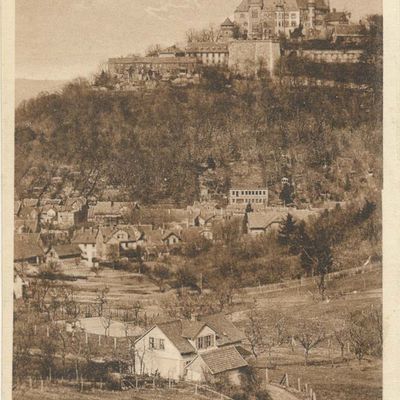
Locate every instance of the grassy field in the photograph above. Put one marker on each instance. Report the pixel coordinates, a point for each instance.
(57, 393)
(327, 374)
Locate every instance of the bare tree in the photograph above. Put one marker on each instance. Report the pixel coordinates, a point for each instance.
(309, 333)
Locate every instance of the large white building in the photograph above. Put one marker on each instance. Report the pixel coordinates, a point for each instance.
(260, 19)
(254, 196)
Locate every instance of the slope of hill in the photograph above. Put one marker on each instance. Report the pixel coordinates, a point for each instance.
(26, 89)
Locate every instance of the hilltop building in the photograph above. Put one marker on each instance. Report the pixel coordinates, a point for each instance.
(261, 19)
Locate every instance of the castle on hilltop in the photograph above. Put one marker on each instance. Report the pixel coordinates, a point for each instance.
(250, 42)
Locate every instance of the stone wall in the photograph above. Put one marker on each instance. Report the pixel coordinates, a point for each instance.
(248, 57)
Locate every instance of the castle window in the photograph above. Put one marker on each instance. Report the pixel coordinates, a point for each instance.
(242, 16)
(293, 15)
(254, 14)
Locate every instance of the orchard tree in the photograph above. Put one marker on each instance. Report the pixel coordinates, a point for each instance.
(309, 333)
(160, 274)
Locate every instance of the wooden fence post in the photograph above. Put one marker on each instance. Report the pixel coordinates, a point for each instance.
(99, 340)
(287, 380)
(314, 396)
(48, 331)
(154, 382)
(306, 388)
(299, 384)
(30, 383)
(115, 343)
(81, 384)
(311, 393)
(195, 389)
(41, 385)
(136, 382)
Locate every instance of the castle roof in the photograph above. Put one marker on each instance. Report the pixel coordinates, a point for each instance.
(207, 47)
(227, 22)
(289, 5)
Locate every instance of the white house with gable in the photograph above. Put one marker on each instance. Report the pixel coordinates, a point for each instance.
(168, 348)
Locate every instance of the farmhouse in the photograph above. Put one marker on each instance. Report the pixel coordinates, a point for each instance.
(120, 239)
(259, 223)
(169, 347)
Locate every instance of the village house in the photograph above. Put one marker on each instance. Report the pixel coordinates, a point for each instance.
(25, 225)
(110, 212)
(169, 347)
(64, 252)
(88, 240)
(28, 248)
(260, 223)
(20, 284)
(119, 240)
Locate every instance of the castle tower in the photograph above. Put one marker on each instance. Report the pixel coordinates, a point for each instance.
(255, 8)
(227, 30)
(279, 17)
(311, 13)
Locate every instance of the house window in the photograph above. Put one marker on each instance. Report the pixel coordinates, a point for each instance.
(205, 342)
(152, 344)
(162, 344)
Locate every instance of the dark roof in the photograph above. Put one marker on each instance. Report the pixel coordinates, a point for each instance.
(86, 236)
(224, 359)
(227, 22)
(335, 16)
(178, 332)
(29, 225)
(227, 332)
(290, 5)
(153, 60)
(349, 30)
(110, 208)
(207, 47)
(172, 50)
(30, 202)
(173, 330)
(26, 246)
(133, 233)
(65, 250)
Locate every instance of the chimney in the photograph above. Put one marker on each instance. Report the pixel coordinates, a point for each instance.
(194, 317)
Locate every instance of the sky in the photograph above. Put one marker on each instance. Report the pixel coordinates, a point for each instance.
(64, 39)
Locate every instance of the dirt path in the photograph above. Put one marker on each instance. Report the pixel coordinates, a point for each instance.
(278, 393)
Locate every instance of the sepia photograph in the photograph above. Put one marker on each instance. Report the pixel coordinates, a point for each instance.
(198, 207)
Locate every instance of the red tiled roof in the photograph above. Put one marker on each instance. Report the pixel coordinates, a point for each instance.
(224, 359)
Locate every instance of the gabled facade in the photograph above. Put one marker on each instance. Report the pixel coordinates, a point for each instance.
(89, 241)
(262, 19)
(167, 348)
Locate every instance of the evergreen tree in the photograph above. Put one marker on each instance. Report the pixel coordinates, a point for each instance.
(287, 229)
(286, 194)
